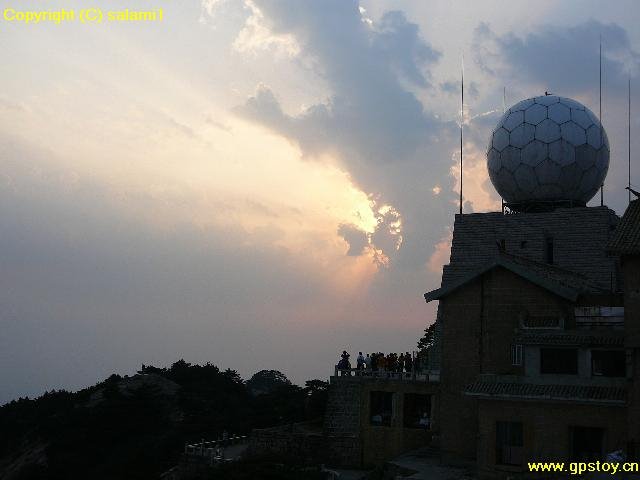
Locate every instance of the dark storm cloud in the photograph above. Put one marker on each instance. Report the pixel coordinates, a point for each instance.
(390, 143)
(370, 114)
(560, 59)
(394, 34)
(565, 60)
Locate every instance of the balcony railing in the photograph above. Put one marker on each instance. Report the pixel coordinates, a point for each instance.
(413, 376)
(215, 450)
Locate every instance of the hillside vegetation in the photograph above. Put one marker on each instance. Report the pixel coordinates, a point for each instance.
(136, 427)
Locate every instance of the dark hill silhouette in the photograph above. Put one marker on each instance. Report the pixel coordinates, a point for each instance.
(136, 427)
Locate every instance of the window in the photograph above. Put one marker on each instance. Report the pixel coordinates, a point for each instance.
(509, 443)
(417, 410)
(548, 250)
(559, 361)
(586, 443)
(516, 355)
(380, 408)
(608, 363)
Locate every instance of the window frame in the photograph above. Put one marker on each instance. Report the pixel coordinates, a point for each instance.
(558, 370)
(517, 354)
(385, 415)
(508, 453)
(613, 351)
(412, 399)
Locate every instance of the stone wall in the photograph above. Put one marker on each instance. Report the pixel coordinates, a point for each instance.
(631, 268)
(546, 431)
(295, 440)
(382, 443)
(351, 438)
(342, 422)
(480, 322)
(579, 239)
(343, 406)
(461, 335)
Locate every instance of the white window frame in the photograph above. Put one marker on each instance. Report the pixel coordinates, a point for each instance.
(516, 354)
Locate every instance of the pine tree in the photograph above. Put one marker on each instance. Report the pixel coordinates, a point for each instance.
(427, 339)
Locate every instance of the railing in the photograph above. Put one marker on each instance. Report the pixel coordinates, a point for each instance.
(213, 450)
(413, 376)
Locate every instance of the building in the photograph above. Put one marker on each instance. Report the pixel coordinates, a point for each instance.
(626, 244)
(536, 306)
(375, 417)
(537, 355)
(533, 359)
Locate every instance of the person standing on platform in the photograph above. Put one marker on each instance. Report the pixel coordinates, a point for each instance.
(360, 361)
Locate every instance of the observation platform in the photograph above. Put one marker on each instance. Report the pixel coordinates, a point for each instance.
(368, 374)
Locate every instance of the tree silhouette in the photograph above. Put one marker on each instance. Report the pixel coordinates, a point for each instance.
(427, 339)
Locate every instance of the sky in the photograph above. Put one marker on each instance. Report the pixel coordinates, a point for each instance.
(261, 184)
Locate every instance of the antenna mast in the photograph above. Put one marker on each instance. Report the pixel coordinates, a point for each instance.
(600, 117)
(461, 126)
(629, 137)
(504, 99)
(504, 110)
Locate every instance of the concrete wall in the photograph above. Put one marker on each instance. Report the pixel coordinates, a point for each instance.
(545, 431)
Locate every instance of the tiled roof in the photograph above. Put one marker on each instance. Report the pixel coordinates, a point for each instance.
(563, 283)
(616, 395)
(538, 338)
(626, 238)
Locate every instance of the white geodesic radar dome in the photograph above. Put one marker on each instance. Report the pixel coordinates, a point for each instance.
(548, 149)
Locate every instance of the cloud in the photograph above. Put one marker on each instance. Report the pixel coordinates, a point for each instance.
(395, 34)
(357, 239)
(440, 256)
(12, 106)
(372, 122)
(369, 114)
(91, 285)
(561, 59)
(385, 239)
(452, 87)
(147, 231)
(564, 59)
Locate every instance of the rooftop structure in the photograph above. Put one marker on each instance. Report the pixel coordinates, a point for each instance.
(569, 241)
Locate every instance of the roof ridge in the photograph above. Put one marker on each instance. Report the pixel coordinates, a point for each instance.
(544, 265)
(626, 238)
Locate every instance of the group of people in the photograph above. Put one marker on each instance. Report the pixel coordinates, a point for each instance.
(391, 362)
